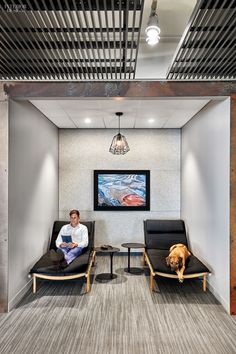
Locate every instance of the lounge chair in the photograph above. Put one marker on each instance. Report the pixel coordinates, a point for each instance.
(159, 236)
(80, 267)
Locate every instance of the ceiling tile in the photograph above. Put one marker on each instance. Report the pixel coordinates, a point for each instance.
(154, 113)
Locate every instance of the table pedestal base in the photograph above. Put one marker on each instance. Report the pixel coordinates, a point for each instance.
(104, 277)
(134, 270)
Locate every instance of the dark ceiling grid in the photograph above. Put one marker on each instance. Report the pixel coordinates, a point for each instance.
(222, 15)
(59, 42)
(120, 40)
(103, 54)
(63, 22)
(108, 36)
(227, 51)
(42, 34)
(114, 34)
(97, 42)
(43, 52)
(132, 39)
(204, 19)
(95, 58)
(89, 62)
(207, 49)
(10, 44)
(138, 33)
(70, 39)
(125, 67)
(4, 63)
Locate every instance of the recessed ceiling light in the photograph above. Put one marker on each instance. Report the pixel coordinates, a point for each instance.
(151, 120)
(87, 120)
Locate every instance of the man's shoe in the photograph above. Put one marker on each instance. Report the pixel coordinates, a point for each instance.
(56, 256)
(53, 255)
(63, 264)
(60, 255)
(56, 265)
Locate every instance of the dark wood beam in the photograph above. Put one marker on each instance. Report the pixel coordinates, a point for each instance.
(130, 89)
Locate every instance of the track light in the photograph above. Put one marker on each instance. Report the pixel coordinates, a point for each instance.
(153, 30)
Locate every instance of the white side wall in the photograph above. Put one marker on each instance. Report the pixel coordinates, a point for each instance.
(205, 191)
(82, 151)
(33, 191)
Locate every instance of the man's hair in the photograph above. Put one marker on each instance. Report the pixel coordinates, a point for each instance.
(74, 211)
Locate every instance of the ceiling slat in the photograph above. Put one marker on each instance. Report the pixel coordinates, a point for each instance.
(206, 48)
(45, 52)
(87, 52)
(69, 39)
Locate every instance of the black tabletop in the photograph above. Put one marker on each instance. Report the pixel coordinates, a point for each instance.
(109, 250)
(133, 245)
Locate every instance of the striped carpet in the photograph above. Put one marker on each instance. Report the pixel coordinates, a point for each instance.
(119, 317)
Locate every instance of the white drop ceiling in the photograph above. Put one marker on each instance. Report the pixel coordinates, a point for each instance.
(100, 113)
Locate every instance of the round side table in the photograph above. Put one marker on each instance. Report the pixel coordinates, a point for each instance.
(104, 277)
(129, 245)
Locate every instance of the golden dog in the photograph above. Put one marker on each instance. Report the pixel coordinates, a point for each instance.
(177, 258)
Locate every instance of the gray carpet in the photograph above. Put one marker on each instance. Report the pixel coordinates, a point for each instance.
(120, 317)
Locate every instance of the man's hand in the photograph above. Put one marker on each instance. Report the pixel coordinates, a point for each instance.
(63, 244)
(72, 244)
(68, 244)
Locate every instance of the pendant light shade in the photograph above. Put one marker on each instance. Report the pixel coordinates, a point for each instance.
(119, 145)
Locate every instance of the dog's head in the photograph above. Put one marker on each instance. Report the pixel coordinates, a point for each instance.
(174, 262)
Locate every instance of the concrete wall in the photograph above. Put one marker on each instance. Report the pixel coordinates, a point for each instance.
(33, 191)
(82, 151)
(4, 149)
(205, 191)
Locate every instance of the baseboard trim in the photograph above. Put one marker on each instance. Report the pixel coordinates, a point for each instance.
(19, 296)
(221, 300)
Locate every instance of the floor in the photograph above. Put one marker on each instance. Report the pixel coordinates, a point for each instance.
(119, 317)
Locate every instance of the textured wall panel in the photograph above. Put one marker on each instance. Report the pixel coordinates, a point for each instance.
(82, 151)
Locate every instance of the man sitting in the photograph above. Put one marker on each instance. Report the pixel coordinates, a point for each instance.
(70, 241)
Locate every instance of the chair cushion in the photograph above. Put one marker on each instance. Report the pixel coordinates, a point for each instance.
(158, 261)
(164, 241)
(165, 226)
(45, 265)
(162, 234)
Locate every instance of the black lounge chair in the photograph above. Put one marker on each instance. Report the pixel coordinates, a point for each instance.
(80, 267)
(159, 236)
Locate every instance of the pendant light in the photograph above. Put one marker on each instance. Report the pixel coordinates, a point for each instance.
(119, 145)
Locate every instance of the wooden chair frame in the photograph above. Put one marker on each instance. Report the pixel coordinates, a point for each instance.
(166, 275)
(85, 274)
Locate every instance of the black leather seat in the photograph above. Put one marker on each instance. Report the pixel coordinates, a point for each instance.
(159, 236)
(80, 267)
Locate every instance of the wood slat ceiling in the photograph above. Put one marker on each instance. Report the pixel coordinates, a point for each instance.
(70, 39)
(207, 49)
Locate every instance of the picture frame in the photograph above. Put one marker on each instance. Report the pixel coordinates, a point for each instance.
(121, 190)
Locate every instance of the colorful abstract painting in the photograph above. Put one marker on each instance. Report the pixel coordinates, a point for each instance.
(122, 190)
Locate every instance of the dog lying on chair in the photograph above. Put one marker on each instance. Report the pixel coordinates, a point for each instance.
(177, 258)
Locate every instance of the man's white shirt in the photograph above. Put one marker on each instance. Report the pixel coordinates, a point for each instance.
(79, 234)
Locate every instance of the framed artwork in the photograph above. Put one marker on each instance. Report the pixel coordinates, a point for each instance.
(121, 190)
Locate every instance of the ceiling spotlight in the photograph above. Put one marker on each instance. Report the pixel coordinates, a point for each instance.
(153, 30)
(119, 145)
(87, 120)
